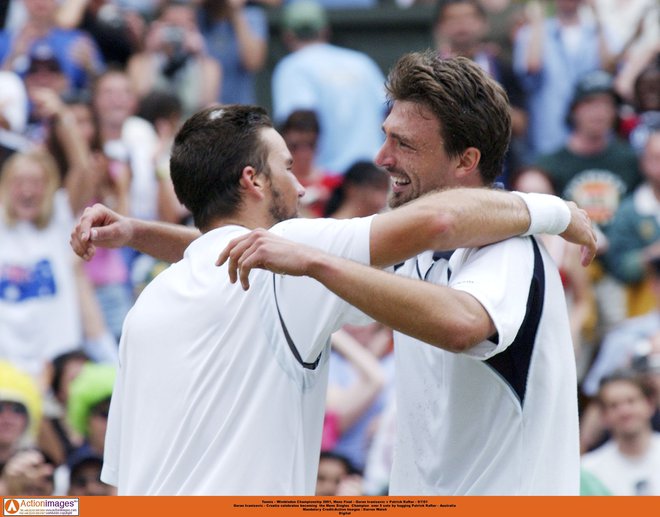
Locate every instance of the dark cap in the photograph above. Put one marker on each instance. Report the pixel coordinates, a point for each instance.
(593, 83)
(305, 18)
(42, 57)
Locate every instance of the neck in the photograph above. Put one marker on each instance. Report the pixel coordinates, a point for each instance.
(249, 219)
(6, 452)
(635, 445)
(568, 17)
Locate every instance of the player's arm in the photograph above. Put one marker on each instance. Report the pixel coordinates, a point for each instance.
(100, 226)
(438, 315)
(472, 217)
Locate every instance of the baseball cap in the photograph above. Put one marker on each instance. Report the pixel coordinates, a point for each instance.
(304, 17)
(43, 57)
(593, 83)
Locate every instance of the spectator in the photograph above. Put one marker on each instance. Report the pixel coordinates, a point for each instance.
(596, 170)
(629, 463)
(40, 315)
(505, 17)
(634, 234)
(335, 82)
(117, 29)
(164, 112)
(88, 405)
(459, 29)
(175, 60)
(646, 105)
(127, 137)
(22, 471)
(593, 168)
(57, 437)
(362, 192)
(337, 477)
(550, 55)
(77, 53)
(301, 132)
(13, 114)
(236, 34)
(85, 475)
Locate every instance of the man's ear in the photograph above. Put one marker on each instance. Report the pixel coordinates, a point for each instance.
(468, 164)
(253, 182)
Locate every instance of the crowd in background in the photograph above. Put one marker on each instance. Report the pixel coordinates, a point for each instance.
(92, 93)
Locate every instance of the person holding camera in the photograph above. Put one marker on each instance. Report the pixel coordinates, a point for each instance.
(175, 59)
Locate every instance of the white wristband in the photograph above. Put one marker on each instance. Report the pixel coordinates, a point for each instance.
(548, 214)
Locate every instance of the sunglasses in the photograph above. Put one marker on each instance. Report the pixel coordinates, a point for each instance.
(14, 407)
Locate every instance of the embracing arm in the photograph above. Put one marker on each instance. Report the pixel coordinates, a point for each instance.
(387, 298)
(473, 217)
(100, 226)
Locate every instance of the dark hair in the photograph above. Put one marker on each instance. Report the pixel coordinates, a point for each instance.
(301, 120)
(209, 154)
(348, 464)
(59, 364)
(629, 376)
(158, 104)
(471, 108)
(362, 173)
(442, 5)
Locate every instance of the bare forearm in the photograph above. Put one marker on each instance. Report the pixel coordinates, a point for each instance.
(163, 241)
(438, 315)
(455, 218)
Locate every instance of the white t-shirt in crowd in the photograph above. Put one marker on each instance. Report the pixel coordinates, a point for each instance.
(221, 391)
(624, 475)
(39, 305)
(502, 418)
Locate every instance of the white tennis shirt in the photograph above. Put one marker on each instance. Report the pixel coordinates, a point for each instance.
(501, 419)
(222, 391)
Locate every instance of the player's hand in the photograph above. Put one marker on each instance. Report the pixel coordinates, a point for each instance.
(580, 231)
(261, 249)
(100, 226)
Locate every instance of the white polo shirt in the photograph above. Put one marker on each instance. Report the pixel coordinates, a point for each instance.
(222, 391)
(501, 419)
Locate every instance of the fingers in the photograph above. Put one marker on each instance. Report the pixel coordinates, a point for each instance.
(237, 252)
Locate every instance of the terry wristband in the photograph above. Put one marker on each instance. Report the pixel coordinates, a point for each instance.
(548, 214)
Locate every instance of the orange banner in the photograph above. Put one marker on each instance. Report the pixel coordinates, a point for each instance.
(368, 506)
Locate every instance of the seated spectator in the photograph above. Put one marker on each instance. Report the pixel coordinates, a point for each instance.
(236, 35)
(634, 234)
(629, 463)
(336, 82)
(77, 53)
(301, 132)
(175, 60)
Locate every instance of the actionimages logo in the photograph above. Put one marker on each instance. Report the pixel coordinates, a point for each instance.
(40, 506)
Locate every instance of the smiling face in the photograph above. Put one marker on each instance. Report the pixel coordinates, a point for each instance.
(413, 153)
(627, 411)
